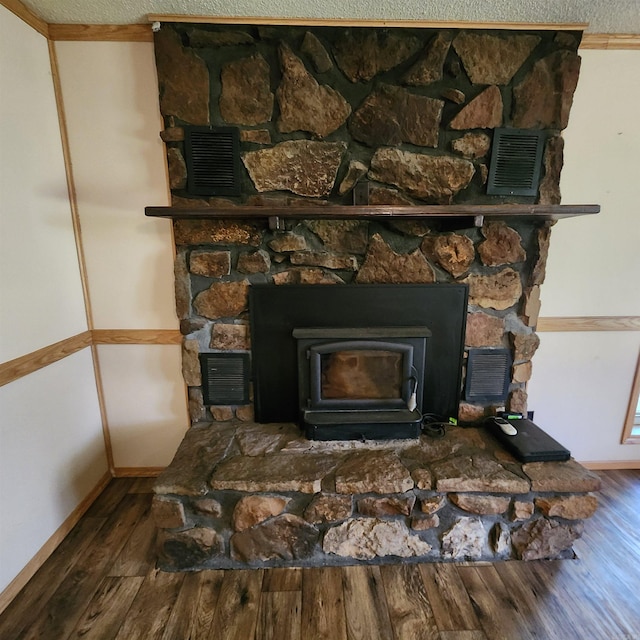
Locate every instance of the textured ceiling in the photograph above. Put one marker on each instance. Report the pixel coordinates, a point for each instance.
(603, 16)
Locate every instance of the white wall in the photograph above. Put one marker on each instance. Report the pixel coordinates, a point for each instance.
(581, 381)
(110, 95)
(51, 444)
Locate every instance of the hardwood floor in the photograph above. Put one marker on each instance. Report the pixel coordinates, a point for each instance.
(101, 584)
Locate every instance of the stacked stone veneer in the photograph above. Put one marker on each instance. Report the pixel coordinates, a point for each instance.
(241, 494)
(321, 111)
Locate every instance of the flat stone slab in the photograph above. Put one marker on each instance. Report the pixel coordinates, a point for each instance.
(564, 477)
(277, 472)
(373, 472)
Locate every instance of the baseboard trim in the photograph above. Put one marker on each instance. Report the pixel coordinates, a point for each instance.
(29, 570)
(137, 472)
(610, 465)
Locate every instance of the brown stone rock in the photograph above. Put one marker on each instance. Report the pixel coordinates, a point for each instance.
(470, 413)
(489, 59)
(522, 372)
(363, 53)
(464, 540)
(382, 507)
(202, 448)
(453, 95)
(540, 267)
(524, 346)
(275, 472)
(484, 173)
(428, 69)
(500, 538)
(434, 178)
(496, 291)
(422, 478)
(422, 523)
(304, 167)
(561, 477)
(544, 539)
(172, 134)
(288, 242)
(476, 473)
(189, 549)
(367, 538)
(285, 537)
(191, 363)
(246, 96)
(304, 104)
(211, 264)
(188, 203)
(256, 136)
(480, 504)
(544, 98)
(201, 39)
(383, 265)
(484, 330)
(522, 510)
(182, 285)
(177, 169)
(259, 439)
(252, 510)
(456, 439)
(517, 402)
(472, 145)
(483, 112)
(208, 506)
(195, 405)
(343, 236)
(391, 115)
(306, 276)
(245, 413)
(327, 507)
(501, 246)
(568, 507)
(168, 513)
(532, 304)
(221, 414)
(312, 47)
(230, 337)
(549, 190)
(216, 232)
(222, 300)
(373, 472)
(432, 504)
(256, 262)
(183, 79)
(324, 259)
(453, 252)
(355, 171)
(384, 195)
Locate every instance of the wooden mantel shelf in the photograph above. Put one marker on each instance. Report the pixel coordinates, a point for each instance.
(479, 212)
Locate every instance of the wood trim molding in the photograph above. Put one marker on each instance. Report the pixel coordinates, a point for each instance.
(627, 438)
(136, 336)
(137, 472)
(610, 41)
(589, 323)
(101, 32)
(26, 15)
(14, 587)
(24, 365)
(605, 465)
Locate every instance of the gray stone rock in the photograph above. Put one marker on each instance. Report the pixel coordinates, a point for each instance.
(489, 59)
(483, 112)
(222, 300)
(246, 96)
(383, 265)
(367, 538)
(434, 178)
(304, 104)
(544, 539)
(465, 540)
(285, 537)
(373, 472)
(304, 167)
(495, 291)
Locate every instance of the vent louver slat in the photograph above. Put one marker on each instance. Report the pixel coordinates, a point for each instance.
(487, 375)
(225, 378)
(515, 162)
(212, 157)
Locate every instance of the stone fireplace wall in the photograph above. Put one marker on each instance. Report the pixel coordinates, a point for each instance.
(409, 113)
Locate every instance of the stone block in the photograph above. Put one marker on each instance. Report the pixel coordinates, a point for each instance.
(373, 472)
(252, 510)
(480, 504)
(561, 477)
(542, 539)
(191, 549)
(465, 540)
(168, 513)
(328, 508)
(422, 523)
(388, 506)
(568, 507)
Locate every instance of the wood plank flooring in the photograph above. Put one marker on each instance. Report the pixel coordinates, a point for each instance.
(101, 584)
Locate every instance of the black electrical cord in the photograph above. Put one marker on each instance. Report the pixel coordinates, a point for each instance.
(433, 425)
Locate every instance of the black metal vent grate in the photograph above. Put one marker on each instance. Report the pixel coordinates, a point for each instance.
(515, 162)
(488, 375)
(212, 155)
(225, 378)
